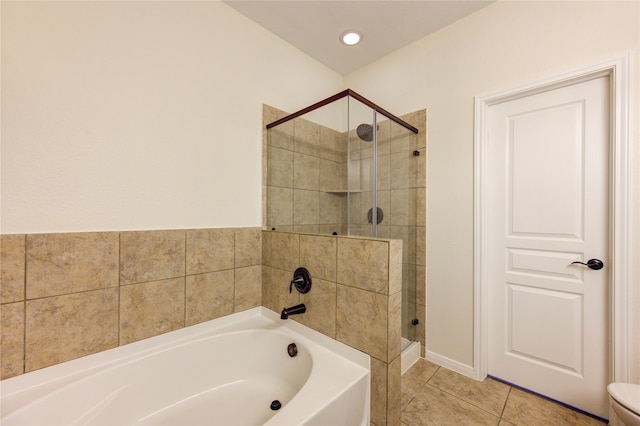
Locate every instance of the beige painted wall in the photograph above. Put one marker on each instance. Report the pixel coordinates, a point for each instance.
(501, 46)
(140, 115)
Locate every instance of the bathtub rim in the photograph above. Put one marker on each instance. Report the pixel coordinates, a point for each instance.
(39, 383)
(224, 324)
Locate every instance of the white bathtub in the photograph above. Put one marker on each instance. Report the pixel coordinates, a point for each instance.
(222, 372)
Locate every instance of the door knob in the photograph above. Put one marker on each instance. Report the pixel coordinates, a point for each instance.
(592, 263)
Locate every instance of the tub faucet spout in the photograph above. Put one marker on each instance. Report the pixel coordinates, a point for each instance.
(294, 310)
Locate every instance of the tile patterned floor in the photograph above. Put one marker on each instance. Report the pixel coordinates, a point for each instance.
(433, 395)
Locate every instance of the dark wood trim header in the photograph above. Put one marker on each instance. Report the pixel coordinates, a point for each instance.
(341, 95)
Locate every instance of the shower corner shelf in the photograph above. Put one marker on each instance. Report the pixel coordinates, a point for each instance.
(342, 191)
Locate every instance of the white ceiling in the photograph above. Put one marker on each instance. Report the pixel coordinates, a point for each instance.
(314, 26)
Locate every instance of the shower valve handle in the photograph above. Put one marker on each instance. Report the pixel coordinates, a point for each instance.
(298, 282)
(302, 281)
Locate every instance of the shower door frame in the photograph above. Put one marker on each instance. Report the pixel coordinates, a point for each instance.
(376, 110)
(337, 96)
(377, 113)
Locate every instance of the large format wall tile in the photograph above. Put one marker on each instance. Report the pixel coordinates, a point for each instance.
(394, 329)
(280, 172)
(332, 175)
(300, 167)
(267, 299)
(306, 171)
(395, 265)
(407, 234)
(421, 207)
(379, 380)
(306, 136)
(12, 266)
(394, 392)
(62, 328)
(93, 308)
(280, 297)
(285, 249)
(362, 320)
(306, 207)
(364, 264)
(248, 288)
(318, 255)
(279, 206)
(151, 255)
(332, 144)
(403, 207)
(210, 250)
(330, 214)
(12, 343)
(282, 135)
(67, 263)
(421, 246)
(209, 296)
(248, 248)
(151, 308)
(321, 307)
(266, 248)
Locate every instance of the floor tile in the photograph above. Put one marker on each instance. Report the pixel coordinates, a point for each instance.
(524, 409)
(433, 395)
(410, 385)
(422, 369)
(431, 406)
(415, 378)
(490, 395)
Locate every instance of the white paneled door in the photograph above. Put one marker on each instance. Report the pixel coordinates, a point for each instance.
(548, 156)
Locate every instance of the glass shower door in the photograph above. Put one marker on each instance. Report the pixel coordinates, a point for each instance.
(361, 170)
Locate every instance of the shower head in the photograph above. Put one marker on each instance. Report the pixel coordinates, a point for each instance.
(365, 132)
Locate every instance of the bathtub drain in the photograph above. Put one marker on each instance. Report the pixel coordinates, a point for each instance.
(292, 350)
(276, 405)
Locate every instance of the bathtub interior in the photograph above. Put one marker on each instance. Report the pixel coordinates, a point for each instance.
(225, 372)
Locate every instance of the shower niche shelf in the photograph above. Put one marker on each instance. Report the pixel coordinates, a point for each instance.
(342, 191)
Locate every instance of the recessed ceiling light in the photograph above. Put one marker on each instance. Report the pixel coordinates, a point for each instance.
(350, 38)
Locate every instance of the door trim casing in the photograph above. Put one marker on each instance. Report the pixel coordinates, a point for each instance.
(617, 69)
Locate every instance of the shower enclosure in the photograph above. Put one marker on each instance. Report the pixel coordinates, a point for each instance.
(346, 166)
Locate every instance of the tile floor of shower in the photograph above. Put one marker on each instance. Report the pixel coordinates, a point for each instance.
(433, 395)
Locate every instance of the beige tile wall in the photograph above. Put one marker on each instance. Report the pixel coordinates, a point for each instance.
(64, 296)
(69, 295)
(306, 164)
(355, 298)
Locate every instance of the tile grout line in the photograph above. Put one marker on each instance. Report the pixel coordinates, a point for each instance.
(469, 402)
(459, 398)
(504, 407)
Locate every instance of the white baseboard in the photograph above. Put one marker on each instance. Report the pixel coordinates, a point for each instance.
(451, 364)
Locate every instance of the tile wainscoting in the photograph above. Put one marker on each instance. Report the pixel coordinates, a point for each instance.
(67, 295)
(355, 298)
